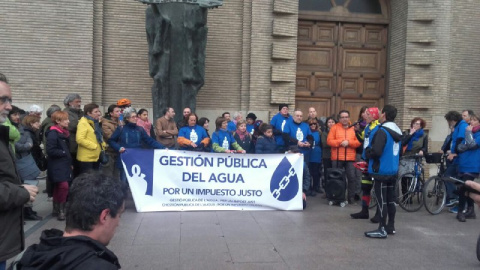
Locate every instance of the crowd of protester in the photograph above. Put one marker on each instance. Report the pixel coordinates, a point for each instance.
(73, 141)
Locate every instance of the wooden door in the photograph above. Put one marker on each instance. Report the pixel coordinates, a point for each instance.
(340, 66)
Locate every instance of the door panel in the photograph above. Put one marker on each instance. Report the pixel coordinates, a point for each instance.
(340, 66)
(323, 106)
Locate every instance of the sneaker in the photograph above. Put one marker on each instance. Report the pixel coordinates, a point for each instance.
(453, 210)
(451, 202)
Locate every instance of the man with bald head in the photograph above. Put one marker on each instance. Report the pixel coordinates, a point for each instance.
(13, 195)
(312, 114)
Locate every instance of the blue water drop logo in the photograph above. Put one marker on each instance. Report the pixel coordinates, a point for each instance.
(284, 183)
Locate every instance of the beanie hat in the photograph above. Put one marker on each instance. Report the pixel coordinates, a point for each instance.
(374, 113)
(280, 106)
(252, 116)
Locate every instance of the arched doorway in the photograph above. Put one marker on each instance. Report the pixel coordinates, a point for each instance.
(341, 55)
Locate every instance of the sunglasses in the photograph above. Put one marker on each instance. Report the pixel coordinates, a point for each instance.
(313, 124)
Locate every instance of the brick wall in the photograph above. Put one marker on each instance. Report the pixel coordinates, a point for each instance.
(396, 64)
(46, 49)
(465, 57)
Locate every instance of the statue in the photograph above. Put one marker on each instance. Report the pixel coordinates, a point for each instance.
(177, 38)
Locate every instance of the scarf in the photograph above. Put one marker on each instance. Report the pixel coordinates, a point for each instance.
(96, 129)
(475, 129)
(61, 130)
(415, 137)
(242, 134)
(145, 124)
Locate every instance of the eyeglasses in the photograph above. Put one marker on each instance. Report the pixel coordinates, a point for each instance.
(418, 123)
(344, 117)
(5, 99)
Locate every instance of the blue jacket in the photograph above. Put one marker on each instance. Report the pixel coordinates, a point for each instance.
(469, 160)
(458, 135)
(383, 151)
(131, 136)
(299, 132)
(316, 153)
(196, 134)
(279, 122)
(266, 145)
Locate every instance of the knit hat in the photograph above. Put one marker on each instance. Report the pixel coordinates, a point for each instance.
(374, 113)
(280, 106)
(252, 116)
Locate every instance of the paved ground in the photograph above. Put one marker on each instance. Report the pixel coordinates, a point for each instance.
(321, 237)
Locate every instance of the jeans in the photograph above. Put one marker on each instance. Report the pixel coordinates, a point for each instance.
(351, 177)
(451, 171)
(88, 166)
(315, 173)
(3, 265)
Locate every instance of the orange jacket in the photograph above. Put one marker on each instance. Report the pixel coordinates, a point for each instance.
(336, 136)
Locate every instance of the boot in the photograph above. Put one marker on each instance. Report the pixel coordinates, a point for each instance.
(363, 214)
(55, 209)
(378, 233)
(376, 218)
(461, 216)
(390, 228)
(470, 213)
(61, 212)
(29, 215)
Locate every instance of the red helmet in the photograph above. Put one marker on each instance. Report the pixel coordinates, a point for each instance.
(361, 165)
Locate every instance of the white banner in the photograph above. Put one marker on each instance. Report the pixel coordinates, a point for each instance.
(169, 180)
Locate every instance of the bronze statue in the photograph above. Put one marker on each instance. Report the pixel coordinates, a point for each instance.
(177, 38)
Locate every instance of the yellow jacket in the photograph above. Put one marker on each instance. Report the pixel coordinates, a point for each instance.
(88, 146)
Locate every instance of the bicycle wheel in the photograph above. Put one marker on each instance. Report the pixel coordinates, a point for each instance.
(434, 195)
(373, 199)
(409, 191)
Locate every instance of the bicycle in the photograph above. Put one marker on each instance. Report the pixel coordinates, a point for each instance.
(409, 186)
(435, 191)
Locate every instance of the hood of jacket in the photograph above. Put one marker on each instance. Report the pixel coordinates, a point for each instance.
(394, 130)
(57, 252)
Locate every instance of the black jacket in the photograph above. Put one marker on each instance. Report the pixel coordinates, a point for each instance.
(12, 199)
(55, 252)
(59, 158)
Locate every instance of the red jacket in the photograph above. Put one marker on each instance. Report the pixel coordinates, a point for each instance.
(336, 136)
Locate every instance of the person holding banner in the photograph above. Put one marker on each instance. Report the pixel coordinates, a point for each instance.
(130, 136)
(193, 137)
(222, 140)
(243, 137)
